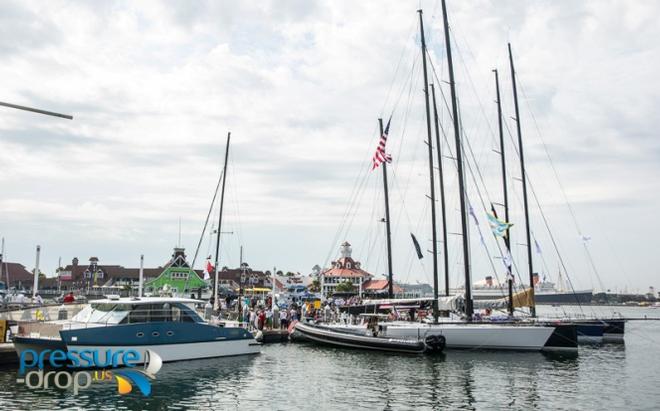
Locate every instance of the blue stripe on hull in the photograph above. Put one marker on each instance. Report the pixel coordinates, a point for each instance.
(155, 333)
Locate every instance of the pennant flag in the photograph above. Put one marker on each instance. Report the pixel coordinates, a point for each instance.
(471, 211)
(586, 238)
(208, 270)
(498, 226)
(538, 247)
(508, 261)
(380, 156)
(417, 247)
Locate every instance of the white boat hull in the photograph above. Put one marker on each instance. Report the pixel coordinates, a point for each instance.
(478, 336)
(189, 351)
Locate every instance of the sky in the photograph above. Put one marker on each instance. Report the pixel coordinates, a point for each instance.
(155, 86)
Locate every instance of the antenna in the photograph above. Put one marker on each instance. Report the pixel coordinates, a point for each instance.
(179, 243)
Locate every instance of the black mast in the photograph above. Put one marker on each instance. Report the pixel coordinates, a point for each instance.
(429, 142)
(507, 234)
(390, 286)
(217, 241)
(532, 308)
(459, 161)
(442, 192)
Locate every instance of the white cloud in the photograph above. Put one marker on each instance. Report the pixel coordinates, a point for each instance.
(155, 86)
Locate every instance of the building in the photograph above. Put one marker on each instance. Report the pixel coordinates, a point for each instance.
(416, 290)
(244, 277)
(98, 278)
(345, 269)
(380, 288)
(177, 276)
(76, 276)
(15, 275)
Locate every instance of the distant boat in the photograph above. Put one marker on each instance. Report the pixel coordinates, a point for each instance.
(545, 292)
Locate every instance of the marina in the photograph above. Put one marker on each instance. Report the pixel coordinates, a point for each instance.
(612, 376)
(202, 218)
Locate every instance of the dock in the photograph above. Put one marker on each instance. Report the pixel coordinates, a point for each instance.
(274, 336)
(7, 354)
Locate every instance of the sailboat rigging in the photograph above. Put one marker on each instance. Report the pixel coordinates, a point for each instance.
(431, 172)
(532, 308)
(216, 304)
(461, 176)
(443, 208)
(507, 233)
(388, 232)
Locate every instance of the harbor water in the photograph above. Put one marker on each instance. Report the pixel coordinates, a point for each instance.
(307, 377)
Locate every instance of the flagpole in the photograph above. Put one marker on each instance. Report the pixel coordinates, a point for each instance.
(2, 256)
(141, 278)
(388, 232)
(217, 241)
(461, 175)
(432, 196)
(532, 308)
(507, 232)
(35, 285)
(443, 213)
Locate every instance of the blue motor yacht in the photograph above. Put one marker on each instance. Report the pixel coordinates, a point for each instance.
(168, 326)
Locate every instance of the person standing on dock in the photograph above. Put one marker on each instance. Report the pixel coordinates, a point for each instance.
(283, 319)
(252, 319)
(269, 318)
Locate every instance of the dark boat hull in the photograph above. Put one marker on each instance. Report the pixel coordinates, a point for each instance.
(339, 339)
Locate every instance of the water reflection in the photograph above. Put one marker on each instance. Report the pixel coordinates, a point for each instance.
(300, 376)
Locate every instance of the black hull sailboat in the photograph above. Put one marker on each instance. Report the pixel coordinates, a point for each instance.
(335, 337)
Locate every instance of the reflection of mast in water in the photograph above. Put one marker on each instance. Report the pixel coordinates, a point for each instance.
(468, 380)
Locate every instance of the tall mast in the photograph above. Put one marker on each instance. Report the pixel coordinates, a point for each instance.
(461, 177)
(442, 192)
(532, 308)
(2, 255)
(217, 241)
(507, 234)
(430, 144)
(390, 286)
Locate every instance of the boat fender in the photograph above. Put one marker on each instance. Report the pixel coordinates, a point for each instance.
(435, 343)
(292, 326)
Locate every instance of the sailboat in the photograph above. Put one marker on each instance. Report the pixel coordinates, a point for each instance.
(461, 332)
(167, 326)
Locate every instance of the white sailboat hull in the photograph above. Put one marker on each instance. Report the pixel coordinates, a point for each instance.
(478, 336)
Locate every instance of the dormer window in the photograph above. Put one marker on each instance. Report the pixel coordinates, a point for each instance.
(348, 265)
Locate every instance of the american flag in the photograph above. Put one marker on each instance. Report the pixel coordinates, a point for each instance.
(380, 156)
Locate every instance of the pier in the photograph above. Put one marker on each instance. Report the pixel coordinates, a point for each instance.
(7, 354)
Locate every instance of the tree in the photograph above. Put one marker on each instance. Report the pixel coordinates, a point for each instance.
(290, 274)
(315, 286)
(345, 287)
(279, 272)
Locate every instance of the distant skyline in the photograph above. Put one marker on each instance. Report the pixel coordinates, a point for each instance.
(155, 86)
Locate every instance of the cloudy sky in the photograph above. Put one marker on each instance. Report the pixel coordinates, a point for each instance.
(154, 87)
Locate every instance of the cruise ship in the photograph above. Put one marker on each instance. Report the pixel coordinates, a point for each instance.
(545, 292)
